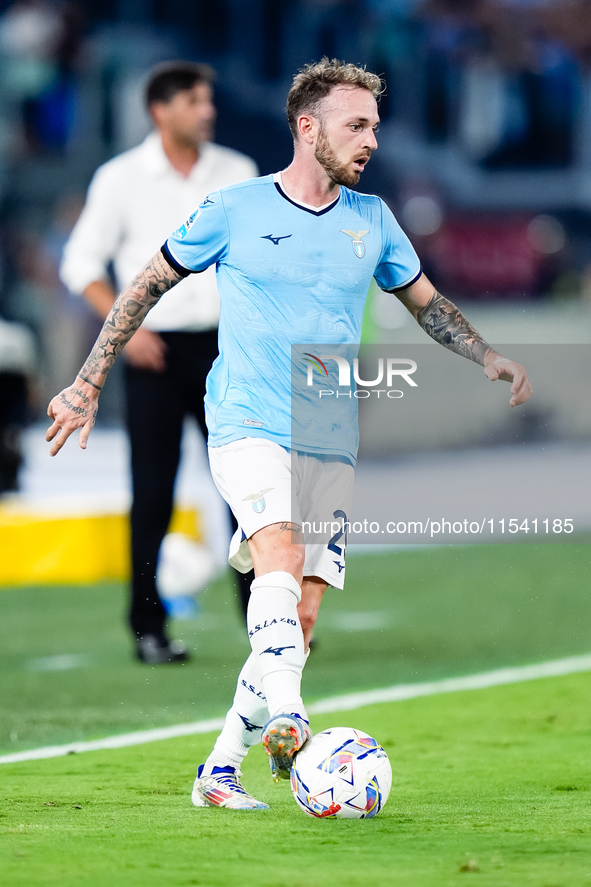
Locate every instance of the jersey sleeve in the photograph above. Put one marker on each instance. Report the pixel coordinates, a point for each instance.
(399, 265)
(202, 240)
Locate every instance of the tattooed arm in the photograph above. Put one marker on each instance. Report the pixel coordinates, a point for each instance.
(146, 349)
(446, 324)
(76, 407)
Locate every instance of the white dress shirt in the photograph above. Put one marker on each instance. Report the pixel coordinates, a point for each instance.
(134, 202)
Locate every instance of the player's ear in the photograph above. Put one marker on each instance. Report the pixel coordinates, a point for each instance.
(307, 128)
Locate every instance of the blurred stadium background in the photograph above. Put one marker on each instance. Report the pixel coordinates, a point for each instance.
(485, 157)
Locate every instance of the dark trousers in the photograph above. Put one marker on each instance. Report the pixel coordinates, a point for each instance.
(156, 406)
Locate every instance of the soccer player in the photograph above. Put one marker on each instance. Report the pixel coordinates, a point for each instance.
(295, 253)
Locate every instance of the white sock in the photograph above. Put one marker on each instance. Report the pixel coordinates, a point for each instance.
(244, 721)
(250, 708)
(277, 640)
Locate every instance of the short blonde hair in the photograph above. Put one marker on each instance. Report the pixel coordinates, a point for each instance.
(315, 81)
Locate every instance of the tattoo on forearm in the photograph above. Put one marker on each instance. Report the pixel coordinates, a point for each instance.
(446, 324)
(127, 315)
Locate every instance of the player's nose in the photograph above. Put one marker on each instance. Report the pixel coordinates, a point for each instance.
(370, 140)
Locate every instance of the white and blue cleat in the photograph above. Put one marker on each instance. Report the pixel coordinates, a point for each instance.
(222, 788)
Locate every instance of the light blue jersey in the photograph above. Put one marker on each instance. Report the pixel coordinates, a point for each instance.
(288, 274)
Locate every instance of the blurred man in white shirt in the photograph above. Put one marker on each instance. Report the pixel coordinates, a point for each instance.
(133, 203)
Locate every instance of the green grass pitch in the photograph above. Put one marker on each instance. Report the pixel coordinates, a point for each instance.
(490, 787)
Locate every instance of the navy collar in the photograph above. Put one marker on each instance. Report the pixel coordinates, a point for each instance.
(304, 206)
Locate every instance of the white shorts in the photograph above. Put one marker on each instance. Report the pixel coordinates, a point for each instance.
(263, 483)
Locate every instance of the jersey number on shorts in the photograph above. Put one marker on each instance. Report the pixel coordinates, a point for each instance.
(332, 545)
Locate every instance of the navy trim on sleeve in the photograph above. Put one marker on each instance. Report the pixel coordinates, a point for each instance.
(184, 272)
(397, 289)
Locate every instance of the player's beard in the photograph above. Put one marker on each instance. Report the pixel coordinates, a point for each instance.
(337, 172)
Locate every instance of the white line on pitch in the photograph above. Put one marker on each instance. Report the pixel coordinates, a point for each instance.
(496, 678)
(347, 702)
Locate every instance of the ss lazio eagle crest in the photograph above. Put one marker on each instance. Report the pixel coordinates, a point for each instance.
(356, 241)
(258, 500)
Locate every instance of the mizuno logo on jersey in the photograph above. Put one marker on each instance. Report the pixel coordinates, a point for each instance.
(357, 242)
(274, 238)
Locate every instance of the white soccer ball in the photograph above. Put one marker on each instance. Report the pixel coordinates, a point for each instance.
(341, 773)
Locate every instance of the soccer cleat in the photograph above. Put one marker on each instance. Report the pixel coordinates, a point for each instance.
(283, 737)
(222, 789)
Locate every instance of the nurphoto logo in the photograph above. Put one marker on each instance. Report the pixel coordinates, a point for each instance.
(388, 372)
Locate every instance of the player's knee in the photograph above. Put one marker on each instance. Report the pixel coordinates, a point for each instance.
(307, 616)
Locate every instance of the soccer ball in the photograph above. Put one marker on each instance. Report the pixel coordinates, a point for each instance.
(184, 569)
(341, 773)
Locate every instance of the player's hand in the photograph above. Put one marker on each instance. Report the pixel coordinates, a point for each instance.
(73, 408)
(498, 367)
(146, 350)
